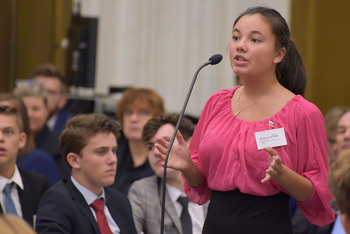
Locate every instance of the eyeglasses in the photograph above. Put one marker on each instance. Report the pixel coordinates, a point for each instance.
(139, 113)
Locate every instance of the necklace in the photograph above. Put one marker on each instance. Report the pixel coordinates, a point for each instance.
(259, 99)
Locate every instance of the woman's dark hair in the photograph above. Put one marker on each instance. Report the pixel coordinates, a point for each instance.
(290, 71)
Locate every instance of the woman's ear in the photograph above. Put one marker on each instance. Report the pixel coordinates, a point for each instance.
(280, 55)
(73, 160)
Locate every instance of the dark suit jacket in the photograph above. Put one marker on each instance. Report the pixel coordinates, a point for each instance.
(34, 186)
(63, 209)
(62, 118)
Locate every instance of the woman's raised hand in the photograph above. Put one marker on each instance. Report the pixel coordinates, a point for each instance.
(180, 154)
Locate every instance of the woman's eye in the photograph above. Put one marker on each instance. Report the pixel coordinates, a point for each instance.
(255, 40)
(235, 38)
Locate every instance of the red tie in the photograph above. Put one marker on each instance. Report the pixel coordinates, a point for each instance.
(98, 206)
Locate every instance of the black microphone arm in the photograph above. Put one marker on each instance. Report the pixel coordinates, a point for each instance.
(213, 60)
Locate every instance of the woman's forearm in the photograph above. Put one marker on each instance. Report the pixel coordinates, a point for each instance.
(296, 185)
(193, 174)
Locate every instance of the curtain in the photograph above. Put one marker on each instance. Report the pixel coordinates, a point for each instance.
(159, 44)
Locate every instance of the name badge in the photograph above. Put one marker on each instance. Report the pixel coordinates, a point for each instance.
(270, 138)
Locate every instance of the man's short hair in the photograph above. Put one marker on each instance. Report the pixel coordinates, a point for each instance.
(186, 126)
(81, 128)
(12, 111)
(339, 181)
(50, 71)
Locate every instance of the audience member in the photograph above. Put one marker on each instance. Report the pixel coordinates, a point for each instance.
(339, 183)
(332, 118)
(34, 98)
(145, 194)
(135, 108)
(300, 224)
(342, 143)
(51, 79)
(21, 189)
(30, 158)
(11, 224)
(231, 160)
(82, 204)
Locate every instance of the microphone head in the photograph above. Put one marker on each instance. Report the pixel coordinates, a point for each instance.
(215, 59)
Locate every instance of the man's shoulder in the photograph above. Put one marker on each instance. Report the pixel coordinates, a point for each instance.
(149, 181)
(114, 194)
(33, 177)
(146, 186)
(59, 197)
(31, 174)
(64, 116)
(59, 193)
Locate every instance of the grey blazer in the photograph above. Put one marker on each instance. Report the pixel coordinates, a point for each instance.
(145, 199)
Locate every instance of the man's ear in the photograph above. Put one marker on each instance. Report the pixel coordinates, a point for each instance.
(22, 140)
(280, 55)
(73, 160)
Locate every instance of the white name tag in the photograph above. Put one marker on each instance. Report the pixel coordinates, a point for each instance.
(270, 138)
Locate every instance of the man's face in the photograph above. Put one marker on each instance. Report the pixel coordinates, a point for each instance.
(53, 87)
(11, 140)
(37, 112)
(166, 131)
(343, 133)
(96, 166)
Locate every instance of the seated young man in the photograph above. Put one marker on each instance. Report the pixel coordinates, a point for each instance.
(82, 204)
(145, 194)
(29, 157)
(21, 190)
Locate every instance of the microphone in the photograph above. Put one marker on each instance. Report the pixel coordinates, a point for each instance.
(213, 60)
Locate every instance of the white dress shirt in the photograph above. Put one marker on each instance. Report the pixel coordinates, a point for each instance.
(90, 197)
(17, 179)
(196, 211)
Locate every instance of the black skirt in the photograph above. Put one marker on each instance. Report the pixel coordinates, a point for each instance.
(233, 212)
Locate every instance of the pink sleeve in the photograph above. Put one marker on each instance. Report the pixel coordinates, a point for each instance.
(312, 151)
(201, 193)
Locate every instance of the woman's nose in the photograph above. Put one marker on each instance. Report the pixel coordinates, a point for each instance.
(241, 46)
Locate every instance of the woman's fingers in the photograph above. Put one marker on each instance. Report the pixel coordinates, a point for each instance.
(271, 151)
(267, 177)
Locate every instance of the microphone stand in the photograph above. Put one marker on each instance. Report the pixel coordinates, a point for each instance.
(215, 59)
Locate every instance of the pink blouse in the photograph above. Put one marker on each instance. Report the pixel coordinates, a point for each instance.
(224, 147)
